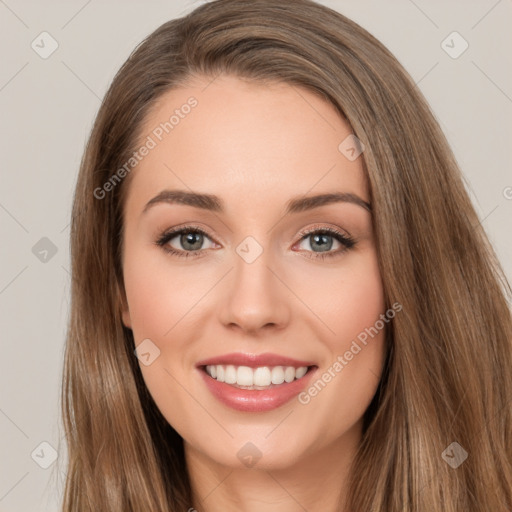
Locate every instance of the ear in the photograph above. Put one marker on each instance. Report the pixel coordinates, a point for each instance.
(123, 302)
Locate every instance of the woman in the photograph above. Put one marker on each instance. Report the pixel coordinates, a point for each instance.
(282, 296)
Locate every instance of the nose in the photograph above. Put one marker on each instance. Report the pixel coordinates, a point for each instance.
(254, 297)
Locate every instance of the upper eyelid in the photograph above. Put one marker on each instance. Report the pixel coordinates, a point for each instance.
(328, 229)
(188, 227)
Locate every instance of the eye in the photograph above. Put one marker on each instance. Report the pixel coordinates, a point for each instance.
(189, 241)
(321, 241)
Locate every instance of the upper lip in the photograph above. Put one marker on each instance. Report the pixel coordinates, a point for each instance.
(254, 360)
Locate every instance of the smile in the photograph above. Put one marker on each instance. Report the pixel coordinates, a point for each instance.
(255, 383)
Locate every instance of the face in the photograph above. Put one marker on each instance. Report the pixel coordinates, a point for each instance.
(253, 283)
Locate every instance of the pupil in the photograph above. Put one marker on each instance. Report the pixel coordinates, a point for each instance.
(321, 240)
(188, 238)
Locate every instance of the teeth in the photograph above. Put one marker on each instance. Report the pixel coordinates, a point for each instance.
(289, 374)
(244, 376)
(262, 376)
(300, 372)
(230, 375)
(277, 375)
(253, 378)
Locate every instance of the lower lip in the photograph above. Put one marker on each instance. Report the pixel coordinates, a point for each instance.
(256, 400)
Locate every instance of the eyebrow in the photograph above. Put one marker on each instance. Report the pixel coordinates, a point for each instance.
(215, 204)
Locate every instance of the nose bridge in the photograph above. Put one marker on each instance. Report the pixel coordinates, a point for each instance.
(254, 296)
(252, 264)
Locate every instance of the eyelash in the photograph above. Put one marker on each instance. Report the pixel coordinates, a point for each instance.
(345, 240)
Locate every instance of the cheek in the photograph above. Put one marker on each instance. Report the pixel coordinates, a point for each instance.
(159, 295)
(346, 301)
(361, 300)
(160, 299)
(350, 306)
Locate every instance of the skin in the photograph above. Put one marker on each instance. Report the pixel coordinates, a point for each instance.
(256, 146)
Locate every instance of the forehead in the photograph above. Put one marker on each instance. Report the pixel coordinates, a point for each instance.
(242, 140)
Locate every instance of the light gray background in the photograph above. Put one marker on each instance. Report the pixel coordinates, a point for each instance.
(47, 108)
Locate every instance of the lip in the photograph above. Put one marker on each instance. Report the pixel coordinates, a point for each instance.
(254, 360)
(255, 400)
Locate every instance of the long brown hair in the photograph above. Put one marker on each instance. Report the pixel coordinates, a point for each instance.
(449, 356)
